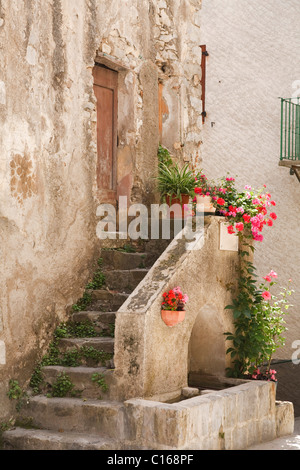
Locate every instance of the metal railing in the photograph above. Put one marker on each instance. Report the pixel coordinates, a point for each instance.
(290, 129)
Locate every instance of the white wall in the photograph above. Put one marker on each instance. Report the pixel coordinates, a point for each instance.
(254, 58)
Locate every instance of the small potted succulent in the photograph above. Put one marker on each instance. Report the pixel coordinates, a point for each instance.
(173, 306)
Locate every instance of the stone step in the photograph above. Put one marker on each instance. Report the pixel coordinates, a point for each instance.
(105, 344)
(103, 322)
(114, 259)
(125, 280)
(104, 418)
(106, 300)
(91, 352)
(39, 439)
(81, 377)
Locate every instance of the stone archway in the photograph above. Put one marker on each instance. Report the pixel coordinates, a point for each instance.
(207, 342)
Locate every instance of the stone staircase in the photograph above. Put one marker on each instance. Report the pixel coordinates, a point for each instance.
(77, 405)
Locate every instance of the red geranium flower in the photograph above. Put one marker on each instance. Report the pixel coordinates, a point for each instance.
(221, 201)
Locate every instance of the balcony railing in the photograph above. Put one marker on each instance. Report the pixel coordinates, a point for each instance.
(290, 130)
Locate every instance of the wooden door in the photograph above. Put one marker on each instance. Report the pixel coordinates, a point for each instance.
(106, 92)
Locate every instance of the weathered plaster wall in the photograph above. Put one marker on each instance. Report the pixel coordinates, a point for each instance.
(47, 173)
(48, 146)
(253, 60)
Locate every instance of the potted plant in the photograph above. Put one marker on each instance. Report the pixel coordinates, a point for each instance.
(176, 185)
(204, 191)
(173, 306)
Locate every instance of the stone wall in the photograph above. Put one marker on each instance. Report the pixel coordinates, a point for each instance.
(152, 358)
(48, 145)
(230, 419)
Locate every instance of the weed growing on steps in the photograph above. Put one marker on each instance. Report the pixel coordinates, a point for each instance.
(70, 329)
(126, 249)
(99, 278)
(5, 426)
(97, 282)
(71, 358)
(82, 303)
(110, 332)
(99, 379)
(15, 392)
(37, 379)
(62, 386)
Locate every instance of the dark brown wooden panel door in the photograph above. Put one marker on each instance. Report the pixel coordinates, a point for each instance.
(106, 92)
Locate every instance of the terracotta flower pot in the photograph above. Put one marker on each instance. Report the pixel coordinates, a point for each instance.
(171, 317)
(205, 205)
(179, 212)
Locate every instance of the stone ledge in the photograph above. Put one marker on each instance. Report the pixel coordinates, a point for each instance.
(211, 421)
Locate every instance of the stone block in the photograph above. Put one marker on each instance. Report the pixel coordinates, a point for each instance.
(190, 392)
(284, 418)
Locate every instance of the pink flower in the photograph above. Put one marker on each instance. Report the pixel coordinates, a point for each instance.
(240, 226)
(273, 203)
(258, 237)
(256, 220)
(240, 209)
(268, 278)
(272, 273)
(266, 295)
(177, 290)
